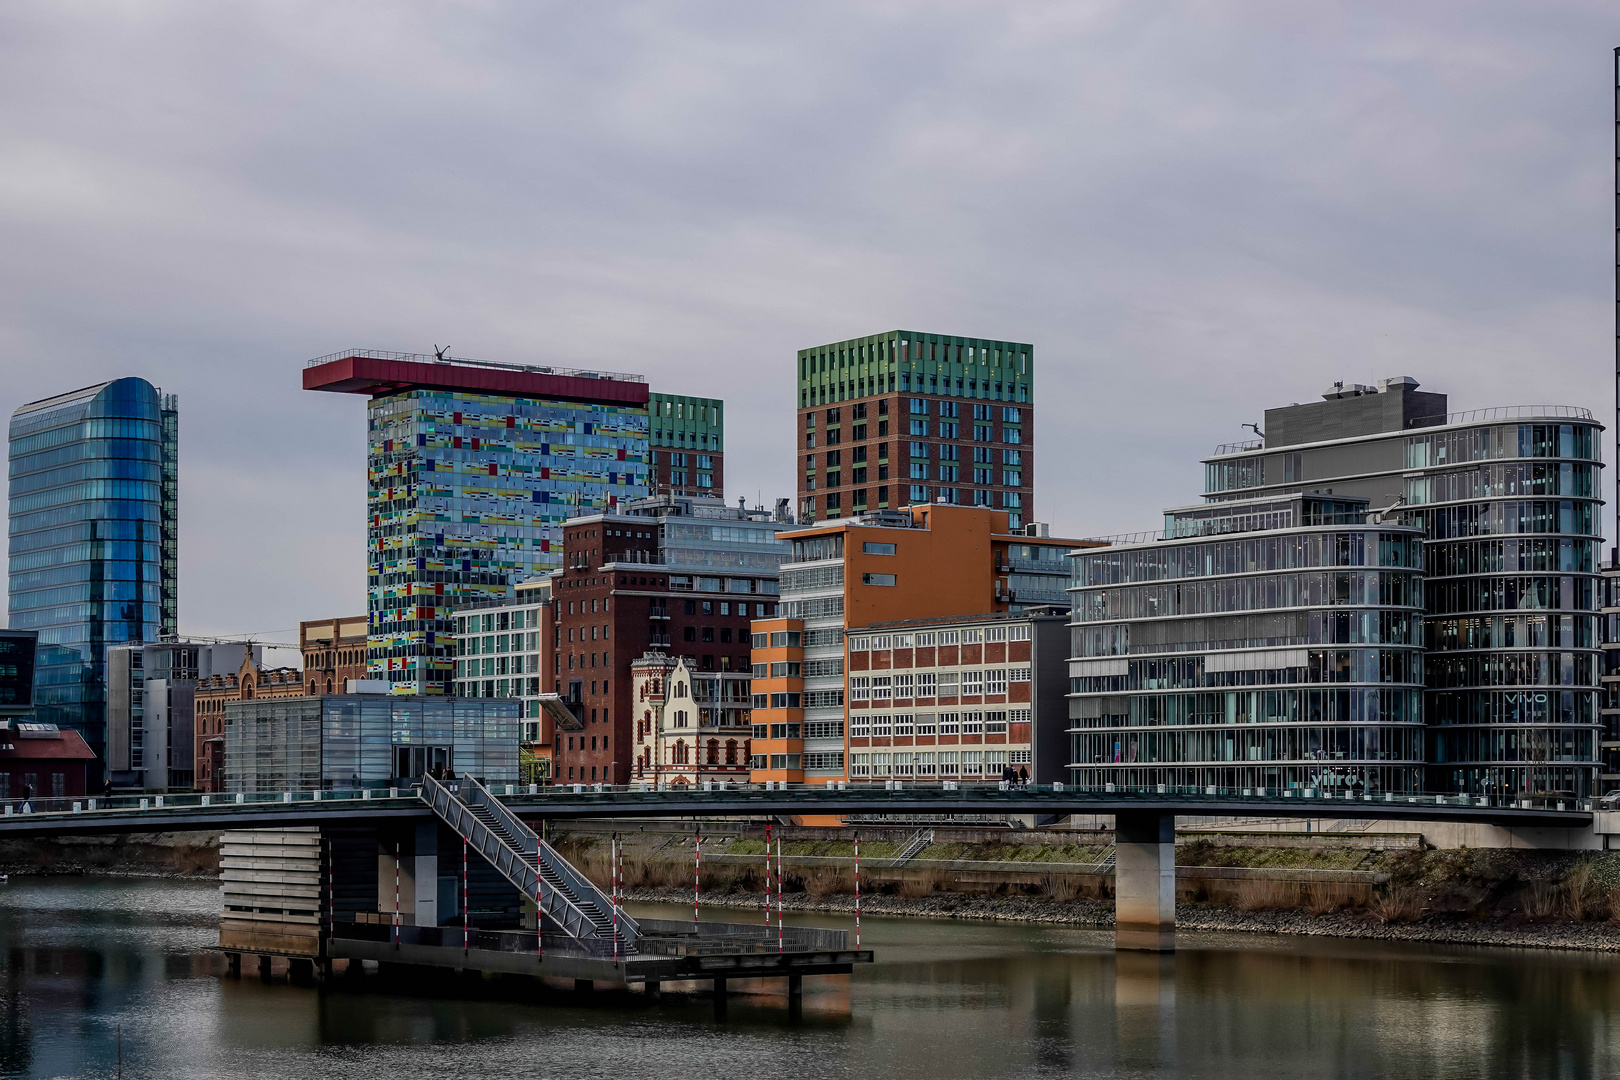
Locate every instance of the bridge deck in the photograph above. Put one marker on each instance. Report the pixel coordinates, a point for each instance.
(286, 809)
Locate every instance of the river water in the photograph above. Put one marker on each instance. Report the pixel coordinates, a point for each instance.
(91, 963)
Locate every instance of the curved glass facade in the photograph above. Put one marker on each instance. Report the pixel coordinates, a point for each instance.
(1221, 660)
(1508, 501)
(1512, 514)
(93, 486)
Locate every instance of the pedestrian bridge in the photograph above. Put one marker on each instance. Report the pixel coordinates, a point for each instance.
(495, 822)
(146, 813)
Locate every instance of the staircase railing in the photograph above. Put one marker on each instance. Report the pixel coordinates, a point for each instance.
(569, 898)
(921, 839)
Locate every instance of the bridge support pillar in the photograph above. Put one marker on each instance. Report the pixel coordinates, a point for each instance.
(300, 970)
(584, 986)
(264, 968)
(719, 997)
(233, 962)
(1145, 881)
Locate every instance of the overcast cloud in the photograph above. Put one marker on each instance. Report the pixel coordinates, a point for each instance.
(1193, 210)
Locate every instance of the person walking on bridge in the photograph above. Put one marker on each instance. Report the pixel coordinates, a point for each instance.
(27, 799)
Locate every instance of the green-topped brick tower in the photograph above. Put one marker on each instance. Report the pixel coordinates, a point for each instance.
(905, 417)
(688, 444)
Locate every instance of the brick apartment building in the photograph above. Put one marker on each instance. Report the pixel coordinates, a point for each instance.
(902, 418)
(928, 562)
(334, 652)
(681, 576)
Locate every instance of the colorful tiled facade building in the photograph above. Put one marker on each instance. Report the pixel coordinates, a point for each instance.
(473, 467)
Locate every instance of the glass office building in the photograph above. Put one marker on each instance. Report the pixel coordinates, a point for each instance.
(350, 741)
(1510, 505)
(473, 467)
(1272, 643)
(93, 559)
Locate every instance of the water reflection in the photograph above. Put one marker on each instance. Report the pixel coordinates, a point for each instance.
(84, 959)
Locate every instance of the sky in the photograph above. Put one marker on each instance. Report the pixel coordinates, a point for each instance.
(1194, 211)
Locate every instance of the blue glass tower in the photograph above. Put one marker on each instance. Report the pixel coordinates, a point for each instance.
(93, 538)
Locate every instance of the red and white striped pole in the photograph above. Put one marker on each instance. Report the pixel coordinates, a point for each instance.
(697, 870)
(331, 895)
(539, 912)
(464, 941)
(613, 887)
(767, 873)
(779, 946)
(396, 894)
(857, 890)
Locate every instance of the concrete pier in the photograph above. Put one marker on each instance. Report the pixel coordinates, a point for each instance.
(1145, 881)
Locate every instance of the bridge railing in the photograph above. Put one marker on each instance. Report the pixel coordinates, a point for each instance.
(981, 794)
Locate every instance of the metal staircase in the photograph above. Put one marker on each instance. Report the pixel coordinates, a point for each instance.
(1105, 865)
(921, 839)
(569, 899)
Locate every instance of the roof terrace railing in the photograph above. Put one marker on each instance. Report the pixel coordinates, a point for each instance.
(462, 361)
(1505, 412)
(1239, 447)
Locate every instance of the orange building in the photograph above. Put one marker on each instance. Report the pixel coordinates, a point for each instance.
(934, 561)
(334, 652)
(250, 681)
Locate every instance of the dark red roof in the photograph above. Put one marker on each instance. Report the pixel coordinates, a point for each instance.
(373, 375)
(70, 745)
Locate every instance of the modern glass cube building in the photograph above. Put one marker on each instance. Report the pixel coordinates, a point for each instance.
(1270, 643)
(473, 467)
(1509, 502)
(350, 741)
(94, 544)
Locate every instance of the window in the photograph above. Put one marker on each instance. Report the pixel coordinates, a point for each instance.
(902, 724)
(1010, 478)
(1018, 674)
(919, 450)
(919, 407)
(1012, 435)
(870, 548)
(860, 688)
(782, 669)
(919, 470)
(1012, 416)
(973, 723)
(826, 760)
(995, 681)
(950, 723)
(919, 427)
(882, 726)
(947, 684)
(919, 493)
(785, 701)
(925, 685)
(949, 429)
(880, 687)
(1012, 500)
(995, 723)
(877, 579)
(824, 729)
(1012, 457)
(860, 725)
(1018, 716)
(972, 683)
(902, 686)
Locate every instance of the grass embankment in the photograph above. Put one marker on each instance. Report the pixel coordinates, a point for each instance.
(1504, 887)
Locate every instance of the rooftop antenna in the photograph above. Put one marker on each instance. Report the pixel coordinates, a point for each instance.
(1256, 429)
(441, 355)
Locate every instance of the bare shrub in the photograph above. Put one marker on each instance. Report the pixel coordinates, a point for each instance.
(1402, 904)
(1261, 894)
(1323, 897)
(1060, 887)
(921, 883)
(1579, 896)
(826, 881)
(1542, 900)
